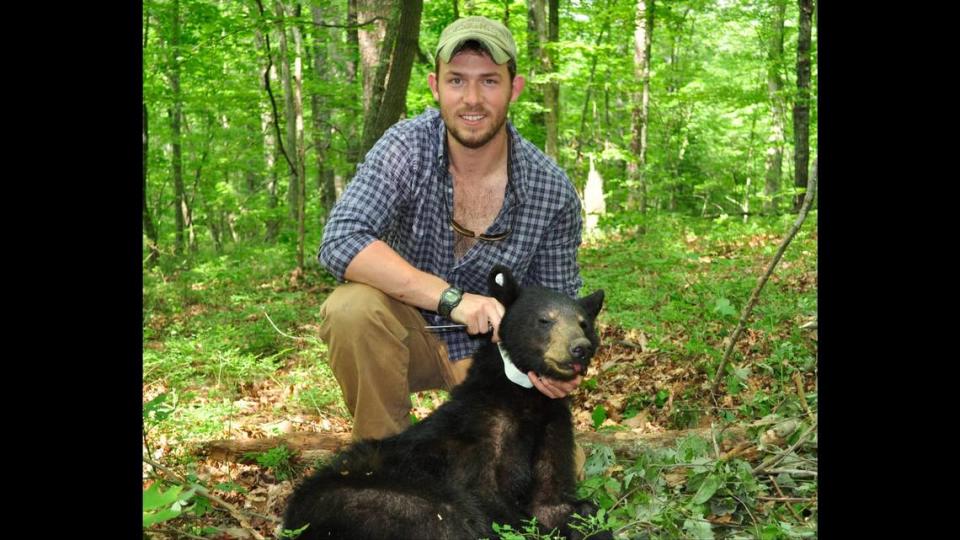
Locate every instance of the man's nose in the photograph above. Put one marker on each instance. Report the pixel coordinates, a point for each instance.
(471, 94)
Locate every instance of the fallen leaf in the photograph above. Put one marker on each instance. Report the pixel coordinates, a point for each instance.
(676, 477)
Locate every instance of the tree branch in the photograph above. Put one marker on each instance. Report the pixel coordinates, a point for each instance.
(288, 335)
(234, 511)
(748, 309)
(779, 457)
(355, 25)
(273, 101)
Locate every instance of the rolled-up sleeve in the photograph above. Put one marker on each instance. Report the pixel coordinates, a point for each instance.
(555, 263)
(367, 207)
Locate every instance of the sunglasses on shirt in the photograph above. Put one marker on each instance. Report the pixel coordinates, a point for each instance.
(470, 234)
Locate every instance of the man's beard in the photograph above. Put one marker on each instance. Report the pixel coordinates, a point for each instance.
(473, 139)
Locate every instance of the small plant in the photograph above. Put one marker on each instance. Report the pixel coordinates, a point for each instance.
(590, 525)
(277, 460)
(292, 533)
(160, 506)
(528, 531)
(599, 415)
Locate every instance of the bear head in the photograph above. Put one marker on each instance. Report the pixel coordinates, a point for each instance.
(543, 330)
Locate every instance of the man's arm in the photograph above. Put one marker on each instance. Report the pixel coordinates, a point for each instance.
(379, 266)
(352, 248)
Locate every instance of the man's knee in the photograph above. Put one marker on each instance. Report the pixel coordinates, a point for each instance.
(353, 306)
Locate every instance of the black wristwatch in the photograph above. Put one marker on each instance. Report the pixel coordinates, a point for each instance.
(449, 299)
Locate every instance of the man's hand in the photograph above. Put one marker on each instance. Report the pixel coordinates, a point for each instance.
(480, 314)
(553, 388)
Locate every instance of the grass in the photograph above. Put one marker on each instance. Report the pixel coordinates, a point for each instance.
(214, 366)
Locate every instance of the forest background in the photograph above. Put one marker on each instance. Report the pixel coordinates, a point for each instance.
(689, 128)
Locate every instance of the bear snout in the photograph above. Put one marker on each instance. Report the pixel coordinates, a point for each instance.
(581, 349)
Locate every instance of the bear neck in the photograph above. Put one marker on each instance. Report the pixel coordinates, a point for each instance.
(513, 374)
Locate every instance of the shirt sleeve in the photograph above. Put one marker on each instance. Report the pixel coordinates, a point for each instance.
(368, 206)
(555, 263)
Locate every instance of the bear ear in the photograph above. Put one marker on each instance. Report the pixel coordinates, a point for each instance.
(502, 285)
(593, 303)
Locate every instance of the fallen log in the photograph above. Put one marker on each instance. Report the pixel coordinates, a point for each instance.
(630, 445)
(311, 446)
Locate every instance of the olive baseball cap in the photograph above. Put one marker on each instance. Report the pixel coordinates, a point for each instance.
(492, 34)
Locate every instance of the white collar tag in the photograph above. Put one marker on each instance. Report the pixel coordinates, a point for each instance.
(515, 375)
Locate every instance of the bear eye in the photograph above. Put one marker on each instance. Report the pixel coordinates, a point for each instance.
(545, 321)
(583, 324)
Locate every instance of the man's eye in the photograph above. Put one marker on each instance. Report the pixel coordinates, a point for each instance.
(455, 81)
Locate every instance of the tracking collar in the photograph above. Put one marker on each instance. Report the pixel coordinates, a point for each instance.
(515, 375)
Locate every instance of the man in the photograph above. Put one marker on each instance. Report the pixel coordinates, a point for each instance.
(439, 200)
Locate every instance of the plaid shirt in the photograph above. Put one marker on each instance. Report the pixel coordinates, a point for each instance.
(403, 194)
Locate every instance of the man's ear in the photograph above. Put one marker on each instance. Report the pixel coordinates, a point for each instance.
(518, 84)
(592, 303)
(434, 89)
(502, 285)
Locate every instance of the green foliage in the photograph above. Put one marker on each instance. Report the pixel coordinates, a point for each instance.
(277, 460)
(528, 531)
(685, 492)
(160, 506)
(293, 533)
(599, 415)
(709, 111)
(159, 408)
(680, 272)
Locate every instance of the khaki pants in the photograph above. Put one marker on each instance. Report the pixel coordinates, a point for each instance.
(380, 352)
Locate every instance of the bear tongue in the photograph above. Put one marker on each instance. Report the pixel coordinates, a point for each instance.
(577, 368)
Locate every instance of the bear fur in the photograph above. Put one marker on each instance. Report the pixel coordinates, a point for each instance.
(494, 452)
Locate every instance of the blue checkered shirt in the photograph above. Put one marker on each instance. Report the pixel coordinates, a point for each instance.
(403, 194)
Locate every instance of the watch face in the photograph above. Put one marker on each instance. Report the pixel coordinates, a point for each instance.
(448, 300)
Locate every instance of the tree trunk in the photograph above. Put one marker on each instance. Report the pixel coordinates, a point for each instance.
(270, 144)
(749, 164)
(290, 112)
(586, 99)
(270, 152)
(175, 114)
(189, 205)
(353, 60)
(388, 105)
(643, 36)
(551, 91)
(801, 107)
(301, 147)
(379, 83)
(774, 158)
(148, 227)
(534, 92)
(371, 39)
(353, 42)
(542, 65)
(321, 122)
(401, 64)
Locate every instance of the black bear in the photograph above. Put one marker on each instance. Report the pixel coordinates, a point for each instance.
(496, 451)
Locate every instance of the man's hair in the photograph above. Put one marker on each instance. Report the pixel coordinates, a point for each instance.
(476, 46)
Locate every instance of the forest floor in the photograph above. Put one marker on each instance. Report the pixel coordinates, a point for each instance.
(230, 353)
